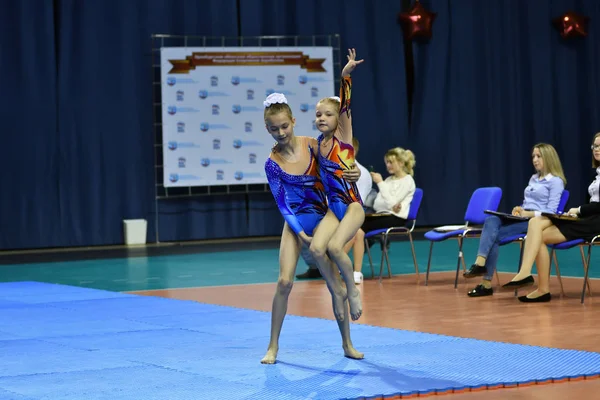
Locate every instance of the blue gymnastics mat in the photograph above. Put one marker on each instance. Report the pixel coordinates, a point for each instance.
(63, 342)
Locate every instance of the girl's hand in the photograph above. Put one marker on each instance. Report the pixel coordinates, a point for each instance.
(352, 62)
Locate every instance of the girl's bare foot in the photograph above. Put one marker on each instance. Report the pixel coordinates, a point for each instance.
(351, 352)
(270, 357)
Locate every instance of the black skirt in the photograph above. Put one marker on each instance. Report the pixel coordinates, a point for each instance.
(583, 228)
(382, 222)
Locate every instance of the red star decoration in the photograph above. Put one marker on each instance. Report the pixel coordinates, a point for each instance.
(571, 25)
(417, 21)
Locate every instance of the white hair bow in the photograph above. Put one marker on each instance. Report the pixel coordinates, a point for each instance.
(274, 98)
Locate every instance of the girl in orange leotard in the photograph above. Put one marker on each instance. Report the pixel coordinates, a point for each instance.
(335, 155)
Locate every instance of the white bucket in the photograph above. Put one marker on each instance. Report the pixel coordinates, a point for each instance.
(135, 231)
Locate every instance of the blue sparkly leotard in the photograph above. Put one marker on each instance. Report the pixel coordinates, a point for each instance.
(301, 198)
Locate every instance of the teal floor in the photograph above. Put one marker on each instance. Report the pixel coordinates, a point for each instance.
(244, 267)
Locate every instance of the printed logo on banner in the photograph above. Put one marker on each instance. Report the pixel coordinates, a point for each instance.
(236, 108)
(181, 162)
(239, 175)
(220, 174)
(303, 79)
(179, 95)
(235, 80)
(205, 161)
(172, 81)
(250, 94)
(281, 80)
(181, 127)
(215, 109)
(172, 110)
(305, 107)
(314, 91)
(214, 80)
(174, 177)
(174, 145)
(248, 127)
(205, 127)
(314, 126)
(203, 94)
(238, 143)
(216, 144)
(252, 158)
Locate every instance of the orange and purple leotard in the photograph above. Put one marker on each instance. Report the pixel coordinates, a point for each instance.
(340, 192)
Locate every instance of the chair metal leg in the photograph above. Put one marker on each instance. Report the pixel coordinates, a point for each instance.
(562, 291)
(389, 266)
(370, 259)
(381, 265)
(387, 256)
(412, 247)
(382, 258)
(587, 270)
(428, 264)
(585, 266)
(384, 255)
(497, 277)
(522, 248)
(460, 257)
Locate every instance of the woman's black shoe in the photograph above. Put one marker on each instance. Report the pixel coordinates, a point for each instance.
(519, 284)
(540, 299)
(480, 291)
(311, 273)
(474, 271)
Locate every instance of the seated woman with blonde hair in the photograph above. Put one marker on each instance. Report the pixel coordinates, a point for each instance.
(543, 231)
(393, 199)
(542, 194)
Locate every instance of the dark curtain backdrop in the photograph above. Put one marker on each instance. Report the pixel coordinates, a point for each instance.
(77, 107)
(29, 158)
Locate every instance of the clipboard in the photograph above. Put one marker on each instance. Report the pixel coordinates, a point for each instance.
(381, 214)
(506, 216)
(450, 228)
(565, 217)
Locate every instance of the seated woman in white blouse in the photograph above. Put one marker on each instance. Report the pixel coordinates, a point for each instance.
(394, 197)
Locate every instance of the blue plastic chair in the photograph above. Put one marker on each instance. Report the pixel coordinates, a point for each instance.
(520, 238)
(384, 234)
(584, 260)
(486, 198)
